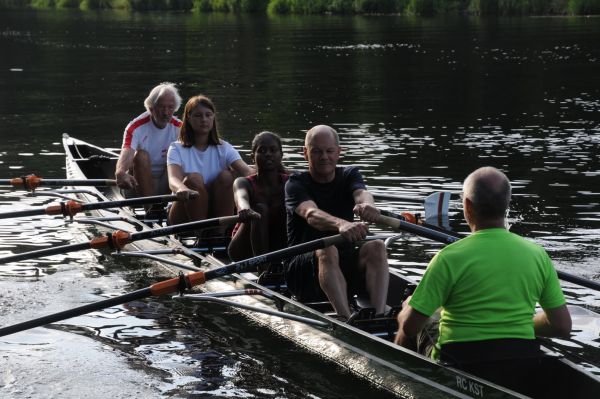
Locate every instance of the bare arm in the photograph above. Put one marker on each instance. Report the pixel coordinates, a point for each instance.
(242, 168)
(176, 184)
(555, 322)
(365, 208)
(323, 221)
(410, 323)
(124, 164)
(241, 196)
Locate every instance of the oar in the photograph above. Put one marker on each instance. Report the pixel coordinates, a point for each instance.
(119, 239)
(71, 208)
(177, 284)
(445, 238)
(32, 182)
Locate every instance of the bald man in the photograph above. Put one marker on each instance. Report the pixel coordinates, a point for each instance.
(323, 202)
(487, 286)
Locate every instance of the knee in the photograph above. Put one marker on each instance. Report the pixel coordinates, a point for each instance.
(373, 250)
(195, 181)
(225, 178)
(328, 256)
(141, 158)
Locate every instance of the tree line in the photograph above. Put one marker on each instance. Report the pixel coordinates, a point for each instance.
(406, 7)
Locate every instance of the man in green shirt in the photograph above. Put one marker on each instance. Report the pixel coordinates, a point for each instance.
(487, 286)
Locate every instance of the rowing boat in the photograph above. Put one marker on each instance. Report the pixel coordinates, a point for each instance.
(364, 348)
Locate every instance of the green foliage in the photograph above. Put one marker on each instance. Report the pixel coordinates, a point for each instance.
(341, 6)
(254, 5)
(15, 4)
(42, 3)
(279, 7)
(203, 5)
(584, 7)
(96, 4)
(67, 4)
(375, 6)
(416, 7)
(120, 4)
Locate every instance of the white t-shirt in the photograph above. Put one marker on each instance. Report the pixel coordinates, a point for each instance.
(209, 163)
(142, 134)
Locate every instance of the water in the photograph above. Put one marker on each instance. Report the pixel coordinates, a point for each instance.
(419, 103)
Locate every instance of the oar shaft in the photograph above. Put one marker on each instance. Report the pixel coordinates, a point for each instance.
(250, 264)
(63, 249)
(180, 228)
(130, 202)
(31, 182)
(75, 182)
(179, 283)
(67, 314)
(26, 212)
(448, 239)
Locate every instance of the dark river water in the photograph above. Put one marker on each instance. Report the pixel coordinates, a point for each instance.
(419, 103)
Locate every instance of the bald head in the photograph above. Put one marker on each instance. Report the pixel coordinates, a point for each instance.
(489, 191)
(320, 131)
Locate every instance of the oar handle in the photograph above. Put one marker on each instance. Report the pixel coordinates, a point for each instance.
(31, 182)
(426, 232)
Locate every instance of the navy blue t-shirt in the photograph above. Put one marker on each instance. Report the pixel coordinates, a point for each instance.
(335, 198)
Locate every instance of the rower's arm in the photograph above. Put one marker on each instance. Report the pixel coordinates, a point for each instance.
(410, 323)
(554, 322)
(176, 184)
(241, 193)
(124, 164)
(365, 206)
(242, 168)
(323, 221)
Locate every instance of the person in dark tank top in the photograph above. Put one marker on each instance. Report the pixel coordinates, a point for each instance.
(259, 199)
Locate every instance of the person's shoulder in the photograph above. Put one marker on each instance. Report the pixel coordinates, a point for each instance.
(298, 176)
(140, 120)
(177, 146)
(347, 171)
(176, 122)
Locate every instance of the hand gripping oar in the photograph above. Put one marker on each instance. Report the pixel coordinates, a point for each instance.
(445, 238)
(32, 182)
(119, 239)
(177, 284)
(71, 208)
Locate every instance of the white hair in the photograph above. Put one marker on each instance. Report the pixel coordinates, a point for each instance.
(158, 91)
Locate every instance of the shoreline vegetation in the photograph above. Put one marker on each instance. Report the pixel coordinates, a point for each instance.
(404, 7)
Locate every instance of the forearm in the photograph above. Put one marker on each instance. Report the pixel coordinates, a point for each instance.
(543, 326)
(364, 197)
(323, 221)
(125, 162)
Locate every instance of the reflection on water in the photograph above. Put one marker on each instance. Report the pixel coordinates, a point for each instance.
(418, 103)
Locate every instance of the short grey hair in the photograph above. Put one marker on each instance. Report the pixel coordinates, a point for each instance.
(489, 191)
(160, 90)
(319, 129)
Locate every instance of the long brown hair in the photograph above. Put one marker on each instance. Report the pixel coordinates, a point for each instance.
(186, 133)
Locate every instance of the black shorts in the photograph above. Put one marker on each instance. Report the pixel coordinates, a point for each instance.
(302, 275)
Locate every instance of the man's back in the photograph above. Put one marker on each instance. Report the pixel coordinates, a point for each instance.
(488, 285)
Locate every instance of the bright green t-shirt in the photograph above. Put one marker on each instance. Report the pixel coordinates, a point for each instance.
(488, 285)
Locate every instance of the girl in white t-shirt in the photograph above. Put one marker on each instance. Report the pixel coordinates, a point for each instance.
(200, 162)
